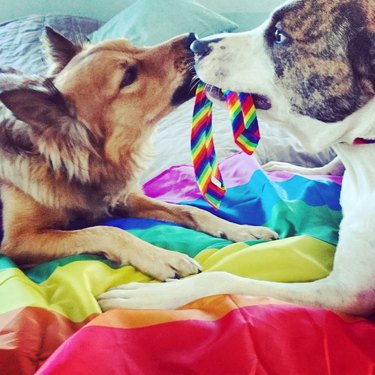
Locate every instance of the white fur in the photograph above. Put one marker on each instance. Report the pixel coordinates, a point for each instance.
(239, 62)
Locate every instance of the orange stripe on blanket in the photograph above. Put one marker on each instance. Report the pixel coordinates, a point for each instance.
(205, 309)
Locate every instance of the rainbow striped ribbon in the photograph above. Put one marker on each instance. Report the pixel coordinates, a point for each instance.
(206, 168)
(245, 133)
(244, 121)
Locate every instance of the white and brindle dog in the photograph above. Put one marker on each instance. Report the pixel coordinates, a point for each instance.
(311, 68)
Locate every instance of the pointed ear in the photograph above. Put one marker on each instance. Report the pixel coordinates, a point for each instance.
(59, 49)
(64, 141)
(40, 106)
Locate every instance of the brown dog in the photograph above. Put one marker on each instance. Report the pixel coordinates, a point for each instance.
(74, 144)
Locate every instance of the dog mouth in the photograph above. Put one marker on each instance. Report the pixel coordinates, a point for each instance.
(260, 101)
(184, 92)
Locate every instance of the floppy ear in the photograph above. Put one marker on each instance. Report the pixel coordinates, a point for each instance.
(55, 131)
(362, 56)
(361, 47)
(59, 49)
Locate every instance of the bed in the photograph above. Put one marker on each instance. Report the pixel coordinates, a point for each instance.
(50, 322)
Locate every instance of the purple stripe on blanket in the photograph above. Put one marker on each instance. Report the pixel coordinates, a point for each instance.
(175, 184)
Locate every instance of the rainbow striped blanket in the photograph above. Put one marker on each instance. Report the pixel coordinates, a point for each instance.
(50, 322)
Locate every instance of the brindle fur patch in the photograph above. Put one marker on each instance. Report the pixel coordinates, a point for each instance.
(327, 64)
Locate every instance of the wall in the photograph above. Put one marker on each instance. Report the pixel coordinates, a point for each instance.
(104, 10)
(228, 6)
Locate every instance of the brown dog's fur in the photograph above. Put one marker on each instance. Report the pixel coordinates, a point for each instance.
(72, 145)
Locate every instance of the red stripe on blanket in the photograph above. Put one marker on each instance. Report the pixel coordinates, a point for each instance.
(28, 336)
(265, 339)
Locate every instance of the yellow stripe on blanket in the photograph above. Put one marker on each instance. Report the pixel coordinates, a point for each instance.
(300, 258)
(71, 289)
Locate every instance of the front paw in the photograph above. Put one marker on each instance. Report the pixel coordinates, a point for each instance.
(241, 233)
(142, 296)
(272, 166)
(164, 264)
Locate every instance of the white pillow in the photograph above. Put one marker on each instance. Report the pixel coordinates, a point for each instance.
(149, 22)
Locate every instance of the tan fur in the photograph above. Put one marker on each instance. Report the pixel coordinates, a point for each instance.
(74, 144)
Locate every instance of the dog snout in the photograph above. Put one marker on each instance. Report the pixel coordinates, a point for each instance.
(202, 48)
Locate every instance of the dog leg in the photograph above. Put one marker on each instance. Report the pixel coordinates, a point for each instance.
(326, 293)
(138, 205)
(349, 287)
(345, 292)
(31, 237)
(335, 168)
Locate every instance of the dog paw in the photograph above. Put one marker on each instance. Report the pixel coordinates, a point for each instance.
(165, 264)
(142, 296)
(242, 233)
(273, 166)
(155, 295)
(169, 295)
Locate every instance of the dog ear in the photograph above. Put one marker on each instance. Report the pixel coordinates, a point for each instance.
(57, 134)
(38, 105)
(59, 49)
(362, 56)
(361, 46)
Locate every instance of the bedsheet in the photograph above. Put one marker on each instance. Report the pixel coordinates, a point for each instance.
(50, 322)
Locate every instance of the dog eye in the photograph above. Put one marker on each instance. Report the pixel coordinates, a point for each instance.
(130, 76)
(280, 37)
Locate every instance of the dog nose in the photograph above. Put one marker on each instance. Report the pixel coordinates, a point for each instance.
(200, 48)
(203, 47)
(190, 39)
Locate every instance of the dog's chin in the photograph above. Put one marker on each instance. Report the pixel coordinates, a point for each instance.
(260, 101)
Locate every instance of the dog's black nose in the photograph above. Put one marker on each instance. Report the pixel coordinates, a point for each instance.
(190, 39)
(203, 47)
(200, 48)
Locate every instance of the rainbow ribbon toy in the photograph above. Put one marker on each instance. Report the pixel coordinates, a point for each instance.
(245, 132)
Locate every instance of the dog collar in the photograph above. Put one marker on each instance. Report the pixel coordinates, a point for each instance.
(363, 141)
